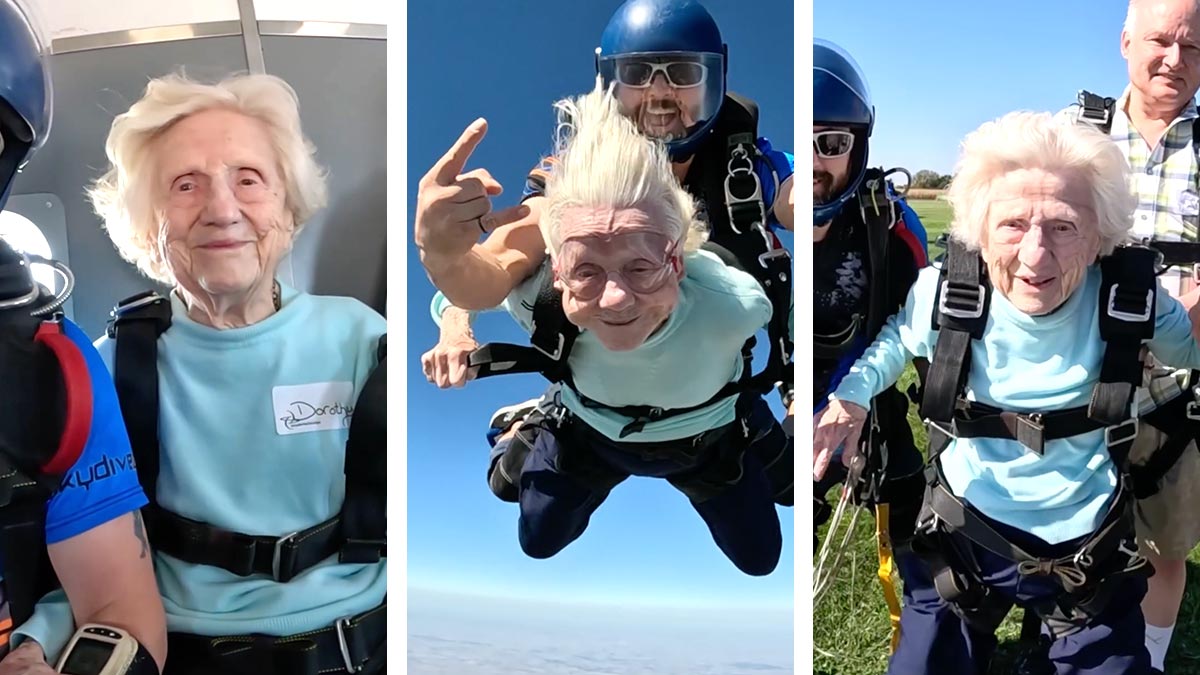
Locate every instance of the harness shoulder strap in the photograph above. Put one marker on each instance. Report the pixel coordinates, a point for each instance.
(551, 342)
(959, 315)
(1128, 291)
(879, 217)
(364, 510)
(136, 324)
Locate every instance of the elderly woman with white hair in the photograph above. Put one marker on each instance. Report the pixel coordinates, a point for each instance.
(1034, 327)
(650, 335)
(243, 395)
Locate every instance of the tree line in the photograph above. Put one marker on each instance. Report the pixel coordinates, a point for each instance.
(930, 180)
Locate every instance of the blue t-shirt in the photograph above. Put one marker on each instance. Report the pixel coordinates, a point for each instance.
(102, 485)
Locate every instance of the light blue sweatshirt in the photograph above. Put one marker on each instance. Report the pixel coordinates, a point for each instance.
(1028, 364)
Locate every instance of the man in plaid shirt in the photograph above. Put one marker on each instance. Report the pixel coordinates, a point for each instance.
(1155, 123)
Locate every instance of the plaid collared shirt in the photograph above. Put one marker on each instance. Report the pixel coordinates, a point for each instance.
(1165, 180)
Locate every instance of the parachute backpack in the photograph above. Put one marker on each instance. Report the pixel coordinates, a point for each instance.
(46, 400)
(45, 418)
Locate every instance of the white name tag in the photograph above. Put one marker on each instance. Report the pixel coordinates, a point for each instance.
(319, 406)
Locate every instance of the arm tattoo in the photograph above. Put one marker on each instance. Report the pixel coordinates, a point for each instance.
(139, 531)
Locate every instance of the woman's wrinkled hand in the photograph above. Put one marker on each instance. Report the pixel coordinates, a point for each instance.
(27, 659)
(455, 208)
(446, 364)
(840, 424)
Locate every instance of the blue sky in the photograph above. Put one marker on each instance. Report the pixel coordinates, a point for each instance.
(937, 70)
(508, 61)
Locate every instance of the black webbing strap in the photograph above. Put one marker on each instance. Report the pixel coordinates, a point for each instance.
(777, 282)
(281, 558)
(23, 554)
(960, 315)
(1127, 301)
(1030, 429)
(1177, 252)
(1179, 420)
(136, 324)
(551, 341)
(351, 645)
(878, 216)
(364, 511)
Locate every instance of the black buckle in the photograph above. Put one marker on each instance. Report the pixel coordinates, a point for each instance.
(961, 301)
(740, 168)
(130, 305)
(140, 300)
(281, 572)
(1031, 432)
(1127, 313)
(1193, 410)
(1124, 432)
(1095, 109)
(344, 645)
(558, 350)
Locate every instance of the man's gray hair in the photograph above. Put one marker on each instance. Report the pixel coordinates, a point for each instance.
(1027, 140)
(602, 161)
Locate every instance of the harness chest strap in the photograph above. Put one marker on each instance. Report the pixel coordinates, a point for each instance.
(357, 533)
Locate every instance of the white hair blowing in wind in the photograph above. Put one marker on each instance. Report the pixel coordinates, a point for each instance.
(603, 161)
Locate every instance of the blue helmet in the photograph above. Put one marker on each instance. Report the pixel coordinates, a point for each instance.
(25, 94)
(25, 103)
(668, 62)
(841, 98)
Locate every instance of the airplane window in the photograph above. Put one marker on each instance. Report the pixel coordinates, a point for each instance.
(23, 235)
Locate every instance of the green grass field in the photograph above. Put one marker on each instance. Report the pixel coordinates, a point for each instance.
(850, 627)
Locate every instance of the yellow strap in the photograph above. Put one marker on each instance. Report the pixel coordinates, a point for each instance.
(887, 571)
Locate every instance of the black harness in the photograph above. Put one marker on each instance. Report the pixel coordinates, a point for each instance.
(879, 214)
(357, 533)
(1127, 314)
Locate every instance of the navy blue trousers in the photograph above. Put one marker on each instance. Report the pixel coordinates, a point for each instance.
(568, 476)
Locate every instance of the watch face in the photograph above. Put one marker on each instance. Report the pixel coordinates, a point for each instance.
(88, 657)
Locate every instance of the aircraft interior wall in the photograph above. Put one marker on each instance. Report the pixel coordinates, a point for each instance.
(343, 109)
